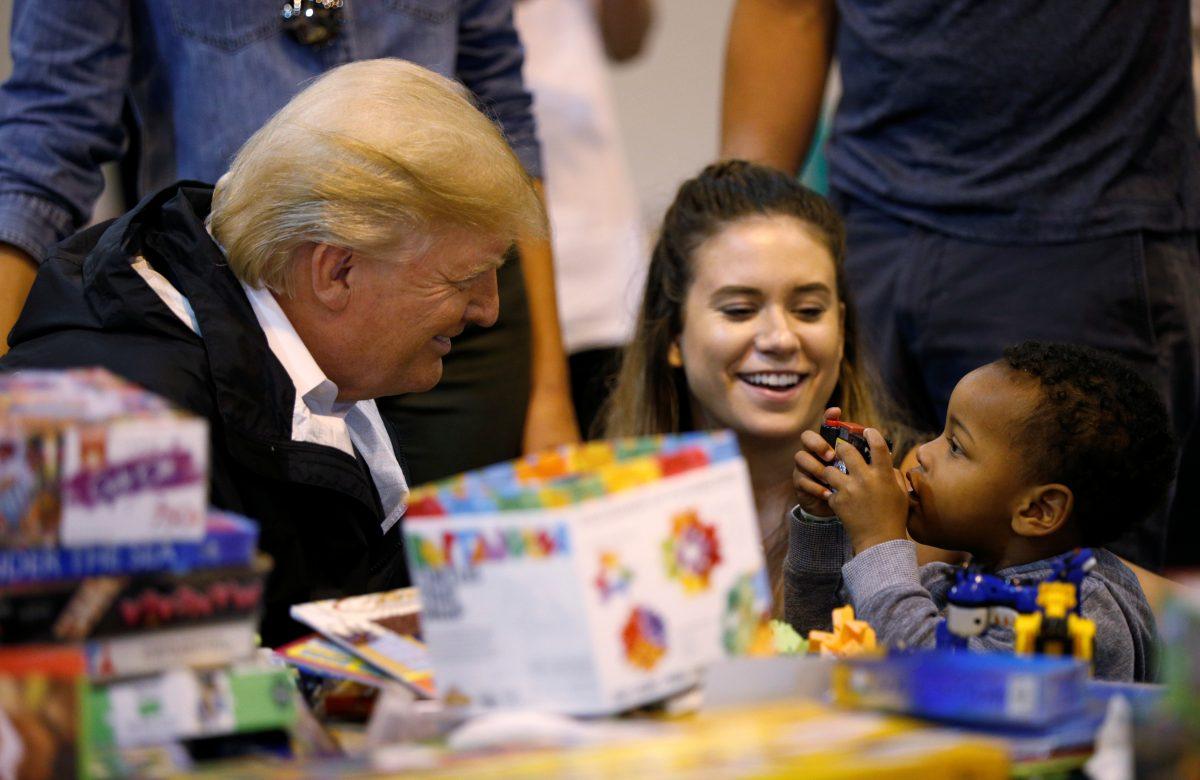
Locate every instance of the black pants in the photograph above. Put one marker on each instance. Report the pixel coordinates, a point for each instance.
(476, 414)
(932, 308)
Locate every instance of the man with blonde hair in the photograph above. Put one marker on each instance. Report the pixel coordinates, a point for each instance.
(353, 237)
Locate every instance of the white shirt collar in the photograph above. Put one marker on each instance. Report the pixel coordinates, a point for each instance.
(317, 390)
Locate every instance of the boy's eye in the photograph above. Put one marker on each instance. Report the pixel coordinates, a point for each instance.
(954, 448)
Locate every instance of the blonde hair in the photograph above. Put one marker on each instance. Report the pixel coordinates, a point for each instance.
(371, 155)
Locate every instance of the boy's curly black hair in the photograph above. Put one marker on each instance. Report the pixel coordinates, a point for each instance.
(1101, 430)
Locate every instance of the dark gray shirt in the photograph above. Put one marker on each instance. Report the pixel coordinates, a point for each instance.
(1021, 121)
(904, 602)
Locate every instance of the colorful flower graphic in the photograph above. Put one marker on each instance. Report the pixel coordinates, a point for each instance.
(692, 551)
(645, 638)
(745, 626)
(614, 577)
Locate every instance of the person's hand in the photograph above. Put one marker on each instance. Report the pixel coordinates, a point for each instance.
(869, 498)
(811, 461)
(17, 270)
(549, 420)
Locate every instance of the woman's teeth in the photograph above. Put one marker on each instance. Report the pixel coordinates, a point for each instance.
(780, 380)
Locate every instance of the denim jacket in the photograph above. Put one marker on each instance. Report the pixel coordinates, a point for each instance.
(198, 79)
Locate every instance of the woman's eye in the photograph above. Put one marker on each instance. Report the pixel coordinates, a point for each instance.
(738, 312)
(810, 312)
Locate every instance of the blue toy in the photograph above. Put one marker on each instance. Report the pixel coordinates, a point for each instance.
(976, 601)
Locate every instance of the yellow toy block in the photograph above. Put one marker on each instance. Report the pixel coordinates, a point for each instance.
(849, 636)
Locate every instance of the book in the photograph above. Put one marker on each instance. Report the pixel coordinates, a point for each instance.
(317, 655)
(73, 610)
(229, 540)
(40, 690)
(149, 652)
(383, 629)
(88, 458)
(186, 704)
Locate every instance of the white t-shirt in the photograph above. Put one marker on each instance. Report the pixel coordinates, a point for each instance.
(599, 247)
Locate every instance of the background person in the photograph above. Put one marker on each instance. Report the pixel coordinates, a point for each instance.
(744, 325)
(173, 88)
(1007, 171)
(353, 239)
(599, 244)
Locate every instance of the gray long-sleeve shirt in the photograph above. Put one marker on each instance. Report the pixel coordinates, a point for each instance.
(904, 602)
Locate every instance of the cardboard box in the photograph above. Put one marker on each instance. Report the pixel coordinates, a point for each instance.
(87, 458)
(592, 579)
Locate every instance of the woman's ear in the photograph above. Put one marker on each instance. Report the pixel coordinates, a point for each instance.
(674, 355)
(1043, 511)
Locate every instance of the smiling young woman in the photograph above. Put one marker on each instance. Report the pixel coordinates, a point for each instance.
(744, 325)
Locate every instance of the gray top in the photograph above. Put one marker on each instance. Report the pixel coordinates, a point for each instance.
(904, 602)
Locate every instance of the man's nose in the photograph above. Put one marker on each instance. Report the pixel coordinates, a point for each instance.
(484, 306)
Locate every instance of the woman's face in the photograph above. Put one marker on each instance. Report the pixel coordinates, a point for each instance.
(762, 336)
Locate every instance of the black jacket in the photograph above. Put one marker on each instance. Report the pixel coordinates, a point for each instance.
(317, 506)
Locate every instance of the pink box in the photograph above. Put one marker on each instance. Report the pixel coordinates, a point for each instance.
(87, 458)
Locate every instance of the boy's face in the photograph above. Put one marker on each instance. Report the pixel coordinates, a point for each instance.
(970, 480)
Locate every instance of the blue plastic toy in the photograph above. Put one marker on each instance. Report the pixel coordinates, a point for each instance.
(977, 601)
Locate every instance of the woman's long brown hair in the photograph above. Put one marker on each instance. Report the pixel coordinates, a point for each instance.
(651, 396)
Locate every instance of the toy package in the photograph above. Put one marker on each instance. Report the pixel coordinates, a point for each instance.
(87, 458)
(589, 579)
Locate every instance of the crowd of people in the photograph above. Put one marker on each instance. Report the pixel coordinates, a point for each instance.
(354, 280)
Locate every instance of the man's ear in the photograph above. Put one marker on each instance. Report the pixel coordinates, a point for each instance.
(674, 356)
(329, 269)
(1043, 510)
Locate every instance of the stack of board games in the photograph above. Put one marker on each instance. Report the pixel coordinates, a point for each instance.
(589, 579)
(116, 582)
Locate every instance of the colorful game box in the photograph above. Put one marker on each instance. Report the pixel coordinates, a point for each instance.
(87, 458)
(590, 579)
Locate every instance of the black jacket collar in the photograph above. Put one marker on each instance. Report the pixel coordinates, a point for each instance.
(253, 394)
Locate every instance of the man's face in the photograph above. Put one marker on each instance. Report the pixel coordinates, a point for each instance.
(406, 309)
(971, 479)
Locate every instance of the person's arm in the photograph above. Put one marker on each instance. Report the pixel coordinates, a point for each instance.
(776, 62)
(17, 270)
(59, 120)
(550, 419)
(489, 63)
(812, 571)
(624, 26)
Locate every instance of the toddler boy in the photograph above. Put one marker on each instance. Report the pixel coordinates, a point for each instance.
(1052, 447)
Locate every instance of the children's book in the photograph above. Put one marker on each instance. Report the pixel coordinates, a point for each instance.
(317, 655)
(383, 629)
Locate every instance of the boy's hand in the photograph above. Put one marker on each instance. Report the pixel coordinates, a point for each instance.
(811, 461)
(869, 500)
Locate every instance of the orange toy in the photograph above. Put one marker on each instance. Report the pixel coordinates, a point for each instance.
(849, 636)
